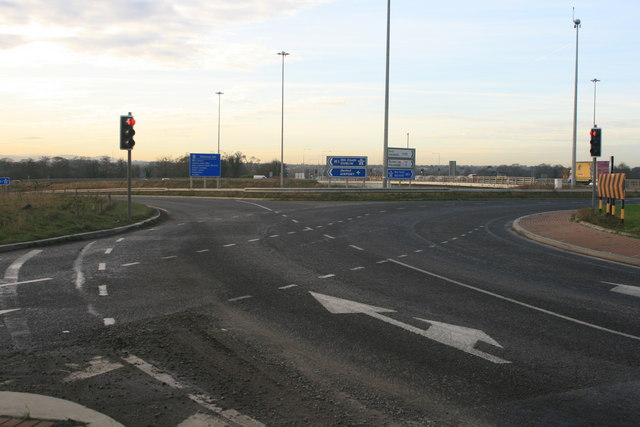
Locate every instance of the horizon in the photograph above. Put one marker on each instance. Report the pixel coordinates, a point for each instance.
(488, 83)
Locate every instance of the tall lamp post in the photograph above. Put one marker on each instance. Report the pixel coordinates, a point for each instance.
(219, 101)
(283, 54)
(576, 25)
(594, 169)
(385, 180)
(595, 81)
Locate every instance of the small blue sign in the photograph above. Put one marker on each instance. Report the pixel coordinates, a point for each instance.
(348, 172)
(400, 173)
(5, 180)
(348, 162)
(204, 165)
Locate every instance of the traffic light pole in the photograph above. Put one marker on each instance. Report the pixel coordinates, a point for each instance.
(129, 185)
(594, 181)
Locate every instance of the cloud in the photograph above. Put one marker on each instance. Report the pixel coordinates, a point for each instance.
(157, 30)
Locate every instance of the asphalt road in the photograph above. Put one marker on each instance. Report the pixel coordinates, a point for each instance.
(249, 312)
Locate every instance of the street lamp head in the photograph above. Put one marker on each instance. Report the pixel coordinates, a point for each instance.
(576, 23)
(283, 53)
(219, 93)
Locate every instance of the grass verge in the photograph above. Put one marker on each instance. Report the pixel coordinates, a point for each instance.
(34, 216)
(631, 219)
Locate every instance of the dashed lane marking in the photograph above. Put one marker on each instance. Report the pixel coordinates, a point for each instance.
(129, 264)
(288, 286)
(326, 276)
(109, 321)
(328, 236)
(102, 266)
(120, 240)
(274, 235)
(356, 247)
(418, 251)
(102, 291)
(202, 250)
(403, 256)
(253, 240)
(170, 257)
(295, 221)
(108, 251)
(229, 245)
(240, 298)
(356, 268)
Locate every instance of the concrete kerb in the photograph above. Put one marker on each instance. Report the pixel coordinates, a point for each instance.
(83, 236)
(571, 247)
(39, 407)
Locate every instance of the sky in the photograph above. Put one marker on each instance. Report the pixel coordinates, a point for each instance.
(481, 83)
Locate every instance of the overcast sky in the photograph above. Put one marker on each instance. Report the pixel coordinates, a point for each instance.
(479, 82)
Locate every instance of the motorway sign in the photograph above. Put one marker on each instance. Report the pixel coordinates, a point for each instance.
(5, 180)
(401, 153)
(347, 162)
(347, 172)
(204, 165)
(400, 163)
(400, 173)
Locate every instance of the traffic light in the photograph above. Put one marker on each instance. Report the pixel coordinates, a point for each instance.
(596, 142)
(127, 132)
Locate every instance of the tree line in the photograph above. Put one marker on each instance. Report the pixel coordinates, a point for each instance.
(236, 165)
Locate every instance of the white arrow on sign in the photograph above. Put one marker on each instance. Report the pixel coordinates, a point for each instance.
(454, 336)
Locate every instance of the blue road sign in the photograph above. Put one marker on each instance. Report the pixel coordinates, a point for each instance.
(348, 172)
(400, 173)
(5, 180)
(348, 162)
(204, 165)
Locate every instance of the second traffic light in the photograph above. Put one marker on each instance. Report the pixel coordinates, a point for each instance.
(596, 142)
(127, 132)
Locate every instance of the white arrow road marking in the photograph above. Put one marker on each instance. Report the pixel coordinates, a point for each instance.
(634, 291)
(451, 335)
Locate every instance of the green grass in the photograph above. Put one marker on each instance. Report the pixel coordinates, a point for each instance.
(34, 216)
(631, 219)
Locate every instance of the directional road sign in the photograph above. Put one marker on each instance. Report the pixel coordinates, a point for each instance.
(401, 153)
(204, 165)
(400, 173)
(347, 162)
(400, 163)
(5, 180)
(348, 172)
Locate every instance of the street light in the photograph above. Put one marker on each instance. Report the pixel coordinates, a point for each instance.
(219, 101)
(283, 54)
(576, 25)
(595, 81)
(385, 181)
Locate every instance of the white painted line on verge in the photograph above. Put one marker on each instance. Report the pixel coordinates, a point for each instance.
(229, 245)
(356, 268)
(514, 301)
(130, 264)
(97, 366)
(152, 371)
(358, 248)
(326, 276)
(328, 236)
(108, 251)
(102, 266)
(109, 321)
(102, 291)
(202, 250)
(240, 298)
(170, 257)
(287, 287)
(4, 285)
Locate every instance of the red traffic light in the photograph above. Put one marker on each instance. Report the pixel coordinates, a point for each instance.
(131, 121)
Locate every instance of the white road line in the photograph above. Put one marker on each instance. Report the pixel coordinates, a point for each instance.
(108, 251)
(109, 321)
(403, 256)
(12, 273)
(274, 235)
(295, 220)
(284, 216)
(102, 266)
(202, 250)
(102, 291)
(77, 266)
(97, 366)
(340, 222)
(11, 310)
(445, 242)
(308, 229)
(130, 264)
(240, 298)
(4, 285)
(120, 240)
(231, 415)
(328, 236)
(634, 291)
(253, 240)
(152, 371)
(287, 287)
(181, 224)
(292, 232)
(418, 251)
(326, 276)
(356, 247)
(356, 268)
(514, 301)
(255, 204)
(330, 224)
(382, 261)
(229, 245)
(319, 226)
(170, 257)
(454, 238)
